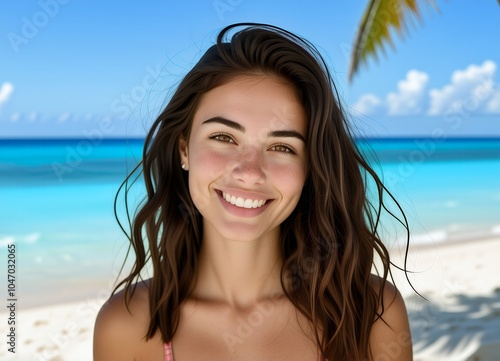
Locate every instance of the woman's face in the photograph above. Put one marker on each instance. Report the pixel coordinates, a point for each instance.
(246, 156)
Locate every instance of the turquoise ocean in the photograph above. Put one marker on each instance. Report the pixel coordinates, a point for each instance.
(57, 195)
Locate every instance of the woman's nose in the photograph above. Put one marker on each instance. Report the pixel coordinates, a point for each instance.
(249, 167)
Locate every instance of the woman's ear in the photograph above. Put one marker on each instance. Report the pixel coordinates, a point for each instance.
(183, 151)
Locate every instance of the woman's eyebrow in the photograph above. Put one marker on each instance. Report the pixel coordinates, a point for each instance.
(286, 134)
(241, 128)
(227, 122)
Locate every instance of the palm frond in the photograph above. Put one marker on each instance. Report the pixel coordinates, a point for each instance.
(379, 19)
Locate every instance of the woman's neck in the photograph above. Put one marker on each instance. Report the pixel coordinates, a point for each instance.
(239, 273)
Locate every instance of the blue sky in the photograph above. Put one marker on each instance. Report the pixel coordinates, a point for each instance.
(74, 68)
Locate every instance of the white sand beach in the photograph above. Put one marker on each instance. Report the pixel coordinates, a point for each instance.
(460, 320)
(57, 332)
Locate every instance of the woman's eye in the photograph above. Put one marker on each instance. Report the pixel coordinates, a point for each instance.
(283, 149)
(225, 138)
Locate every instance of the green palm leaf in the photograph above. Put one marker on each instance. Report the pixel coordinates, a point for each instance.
(379, 18)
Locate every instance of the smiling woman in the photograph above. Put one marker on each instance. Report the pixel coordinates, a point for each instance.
(256, 224)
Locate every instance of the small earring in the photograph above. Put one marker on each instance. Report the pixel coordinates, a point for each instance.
(183, 166)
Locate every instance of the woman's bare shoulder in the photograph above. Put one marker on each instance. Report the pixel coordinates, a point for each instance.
(116, 311)
(390, 336)
(390, 292)
(120, 329)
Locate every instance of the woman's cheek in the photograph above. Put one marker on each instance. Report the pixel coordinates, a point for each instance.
(290, 173)
(211, 162)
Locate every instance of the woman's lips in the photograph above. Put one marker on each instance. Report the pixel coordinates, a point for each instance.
(239, 209)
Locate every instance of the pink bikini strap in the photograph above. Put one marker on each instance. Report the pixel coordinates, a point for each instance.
(168, 352)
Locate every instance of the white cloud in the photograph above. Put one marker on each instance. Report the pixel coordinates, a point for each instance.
(470, 88)
(408, 99)
(63, 117)
(5, 92)
(367, 104)
(14, 117)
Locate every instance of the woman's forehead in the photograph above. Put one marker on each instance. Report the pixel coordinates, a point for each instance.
(271, 99)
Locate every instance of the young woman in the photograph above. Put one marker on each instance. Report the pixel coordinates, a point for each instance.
(256, 224)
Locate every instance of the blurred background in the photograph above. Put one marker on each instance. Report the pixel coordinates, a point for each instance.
(82, 81)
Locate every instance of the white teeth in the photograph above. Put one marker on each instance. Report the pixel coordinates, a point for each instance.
(243, 203)
(240, 202)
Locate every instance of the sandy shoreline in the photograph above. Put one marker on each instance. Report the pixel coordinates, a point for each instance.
(460, 320)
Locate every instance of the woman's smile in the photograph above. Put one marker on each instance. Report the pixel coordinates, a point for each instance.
(242, 202)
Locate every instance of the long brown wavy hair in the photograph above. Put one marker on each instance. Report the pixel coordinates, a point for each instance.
(329, 241)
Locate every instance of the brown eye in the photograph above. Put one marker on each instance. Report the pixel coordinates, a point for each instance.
(222, 137)
(282, 148)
